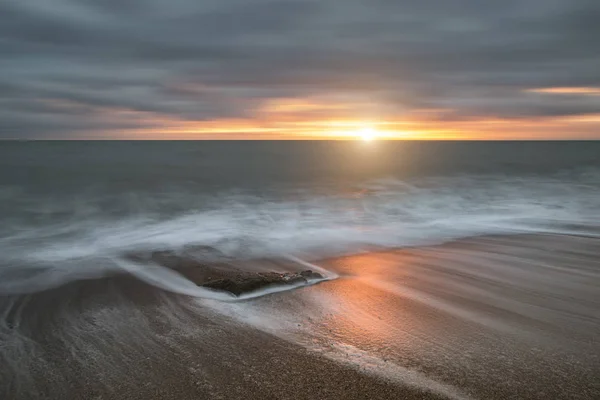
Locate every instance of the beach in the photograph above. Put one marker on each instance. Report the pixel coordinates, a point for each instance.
(493, 317)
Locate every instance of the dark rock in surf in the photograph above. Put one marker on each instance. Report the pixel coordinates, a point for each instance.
(245, 283)
(309, 274)
(219, 276)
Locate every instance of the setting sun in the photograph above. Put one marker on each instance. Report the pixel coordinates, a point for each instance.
(367, 134)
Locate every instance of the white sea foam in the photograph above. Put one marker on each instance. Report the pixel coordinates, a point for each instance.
(304, 225)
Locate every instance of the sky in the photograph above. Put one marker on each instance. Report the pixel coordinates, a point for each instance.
(295, 69)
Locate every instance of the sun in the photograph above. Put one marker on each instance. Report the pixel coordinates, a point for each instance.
(367, 134)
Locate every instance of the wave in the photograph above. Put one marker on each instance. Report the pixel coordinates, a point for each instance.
(47, 242)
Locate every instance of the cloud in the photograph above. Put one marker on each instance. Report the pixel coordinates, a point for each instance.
(573, 91)
(203, 61)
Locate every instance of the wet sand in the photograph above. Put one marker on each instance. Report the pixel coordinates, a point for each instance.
(504, 317)
(163, 347)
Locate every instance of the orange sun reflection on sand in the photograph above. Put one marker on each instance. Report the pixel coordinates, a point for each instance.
(368, 315)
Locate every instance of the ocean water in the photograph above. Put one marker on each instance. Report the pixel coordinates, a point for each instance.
(71, 210)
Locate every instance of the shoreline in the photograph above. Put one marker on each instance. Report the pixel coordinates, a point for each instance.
(495, 316)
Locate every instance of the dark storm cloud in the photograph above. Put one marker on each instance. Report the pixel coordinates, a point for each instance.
(65, 64)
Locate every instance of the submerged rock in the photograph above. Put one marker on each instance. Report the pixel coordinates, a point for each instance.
(189, 256)
(219, 276)
(166, 258)
(245, 283)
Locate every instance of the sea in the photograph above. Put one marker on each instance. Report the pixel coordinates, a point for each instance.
(69, 209)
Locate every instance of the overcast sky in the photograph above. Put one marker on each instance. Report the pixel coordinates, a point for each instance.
(120, 68)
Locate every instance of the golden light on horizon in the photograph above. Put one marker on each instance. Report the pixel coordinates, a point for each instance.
(585, 91)
(367, 134)
(330, 124)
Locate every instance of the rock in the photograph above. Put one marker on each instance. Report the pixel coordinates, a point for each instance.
(219, 276)
(309, 274)
(245, 283)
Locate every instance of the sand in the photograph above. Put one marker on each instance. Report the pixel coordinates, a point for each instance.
(490, 318)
